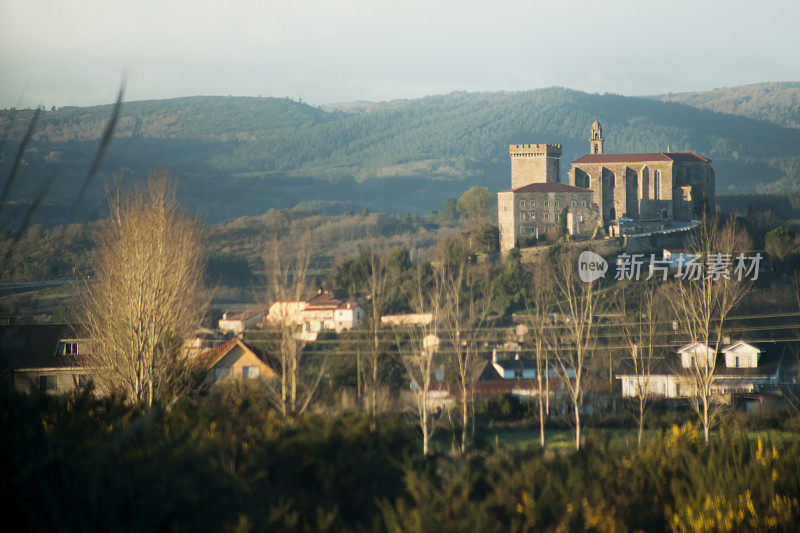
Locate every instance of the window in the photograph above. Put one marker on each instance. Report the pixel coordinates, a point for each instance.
(533, 216)
(221, 372)
(546, 203)
(574, 203)
(249, 372)
(83, 380)
(583, 203)
(580, 218)
(556, 217)
(546, 216)
(657, 185)
(663, 213)
(532, 203)
(68, 348)
(522, 204)
(48, 383)
(556, 203)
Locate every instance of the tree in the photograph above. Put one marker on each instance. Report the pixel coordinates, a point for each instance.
(146, 294)
(376, 275)
(779, 242)
(418, 346)
(573, 341)
(287, 270)
(465, 304)
(701, 305)
(476, 204)
(639, 331)
(539, 305)
(449, 210)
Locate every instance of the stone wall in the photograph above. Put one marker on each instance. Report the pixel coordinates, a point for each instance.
(534, 163)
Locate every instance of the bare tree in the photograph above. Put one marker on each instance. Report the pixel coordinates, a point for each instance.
(418, 346)
(287, 268)
(146, 295)
(376, 276)
(572, 341)
(465, 305)
(702, 303)
(639, 331)
(538, 306)
(790, 385)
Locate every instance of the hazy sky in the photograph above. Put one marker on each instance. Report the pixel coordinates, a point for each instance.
(74, 51)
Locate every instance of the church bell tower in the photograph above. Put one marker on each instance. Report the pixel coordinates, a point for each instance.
(596, 140)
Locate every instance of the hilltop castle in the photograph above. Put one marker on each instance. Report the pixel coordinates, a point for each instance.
(615, 193)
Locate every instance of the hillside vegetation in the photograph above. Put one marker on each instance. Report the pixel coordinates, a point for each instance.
(773, 102)
(243, 156)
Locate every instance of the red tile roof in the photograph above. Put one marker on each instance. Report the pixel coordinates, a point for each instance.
(210, 357)
(548, 187)
(684, 157)
(325, 300)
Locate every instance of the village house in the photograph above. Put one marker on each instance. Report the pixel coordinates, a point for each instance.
(739, 368)
(324, 312)
(233, 360)
(43, 358)
(409, 319)
(202, 340)
(236, 322)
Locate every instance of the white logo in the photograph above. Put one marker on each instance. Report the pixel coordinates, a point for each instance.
(591, 266)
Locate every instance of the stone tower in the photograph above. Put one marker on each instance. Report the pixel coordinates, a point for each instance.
(534, 163)
(596, 140)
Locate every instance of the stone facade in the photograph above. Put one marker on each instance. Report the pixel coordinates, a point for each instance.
(526, 213)
(645, 186)
(534, 163)
(646, 190)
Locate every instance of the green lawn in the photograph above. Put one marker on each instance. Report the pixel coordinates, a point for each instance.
(527, 437)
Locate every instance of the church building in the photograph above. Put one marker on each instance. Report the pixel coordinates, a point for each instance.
(613, 194)
(658, 186)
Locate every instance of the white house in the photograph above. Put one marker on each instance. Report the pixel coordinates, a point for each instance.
(324, 312)
(237, 322)
(697, 355)
(739, 368)
(286, 312)
(409, 319)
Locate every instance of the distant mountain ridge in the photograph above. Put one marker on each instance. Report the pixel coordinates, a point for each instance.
(240, 155)
(777, 102)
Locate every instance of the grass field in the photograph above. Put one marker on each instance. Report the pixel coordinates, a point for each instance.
(527, 437)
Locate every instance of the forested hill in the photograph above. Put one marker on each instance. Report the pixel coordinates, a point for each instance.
(244, 155)
(773, 102)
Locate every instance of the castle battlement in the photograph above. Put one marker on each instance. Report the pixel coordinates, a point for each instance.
(532, 150)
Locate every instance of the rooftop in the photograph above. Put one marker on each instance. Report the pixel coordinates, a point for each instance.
(548, 187)
(683, 157)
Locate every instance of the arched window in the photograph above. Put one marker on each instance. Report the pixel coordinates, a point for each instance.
(657, 185)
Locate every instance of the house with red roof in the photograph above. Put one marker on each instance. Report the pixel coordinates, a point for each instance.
(326, 313)
(232, 360)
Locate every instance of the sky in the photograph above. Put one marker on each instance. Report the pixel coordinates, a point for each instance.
(76, 52)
